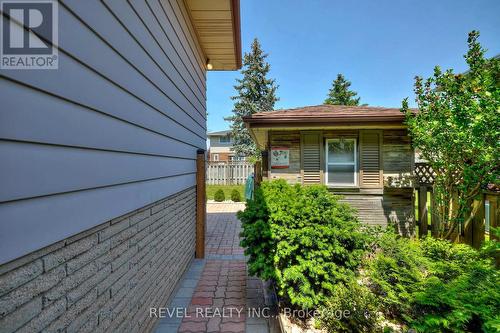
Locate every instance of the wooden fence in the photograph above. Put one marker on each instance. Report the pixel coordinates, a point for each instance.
(486, 207)
(228, 173)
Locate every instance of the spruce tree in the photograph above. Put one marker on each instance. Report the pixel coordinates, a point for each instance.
(255, 93)
(340, 94)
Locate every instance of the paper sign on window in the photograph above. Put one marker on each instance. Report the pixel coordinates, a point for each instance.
(280, 157)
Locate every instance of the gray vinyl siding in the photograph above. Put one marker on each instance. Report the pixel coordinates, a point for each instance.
(114, 129)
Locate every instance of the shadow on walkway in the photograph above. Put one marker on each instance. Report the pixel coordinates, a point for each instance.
(216, 294)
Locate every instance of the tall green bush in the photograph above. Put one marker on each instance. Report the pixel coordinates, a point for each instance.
(235, 195)
(219, 195)
(303, 238)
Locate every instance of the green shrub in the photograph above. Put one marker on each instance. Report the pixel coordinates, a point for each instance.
(303, 238)
(235, 195)
(434, 285)
(351, 308)
(219, 196)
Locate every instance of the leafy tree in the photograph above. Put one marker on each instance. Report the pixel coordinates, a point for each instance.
(340, 94)
(256, 93)
(457, 129)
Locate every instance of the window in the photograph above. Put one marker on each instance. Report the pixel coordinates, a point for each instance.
(215, 157)
(234, 158)
(225, 139)
(341, 166)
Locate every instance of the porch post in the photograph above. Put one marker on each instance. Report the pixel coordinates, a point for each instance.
(200, 204)
(265, 165)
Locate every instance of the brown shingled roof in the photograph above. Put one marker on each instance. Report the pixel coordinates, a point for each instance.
(324, 113)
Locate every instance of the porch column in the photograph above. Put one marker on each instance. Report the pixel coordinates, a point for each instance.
(200, 204)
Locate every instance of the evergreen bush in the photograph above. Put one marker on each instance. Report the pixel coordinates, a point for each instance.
(219, 195)
(303, 238)
(435, 286)
(235, 195)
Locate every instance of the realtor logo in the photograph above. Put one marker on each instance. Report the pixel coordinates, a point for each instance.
(29, 35)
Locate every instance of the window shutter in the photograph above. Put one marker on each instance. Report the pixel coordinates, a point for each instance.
(311, 158)
(371, 173)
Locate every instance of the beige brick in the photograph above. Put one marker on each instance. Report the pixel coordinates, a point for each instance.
(88, 319)
(158, 207)
(19, 276)
(111, 279)
(30, 290)
(71, 314)
(76, 294)
(62, 255)
(114, 229)
(114, 272)
(86, 257)
(69, 283)
(139, 216)
(124, 258)
(21, 316)
(108, 257)
(45, 317)
(123, 236)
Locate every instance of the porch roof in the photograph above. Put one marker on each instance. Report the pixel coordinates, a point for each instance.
(327, 113)
(323, 117)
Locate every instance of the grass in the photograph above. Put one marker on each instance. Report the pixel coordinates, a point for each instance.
(211, 189)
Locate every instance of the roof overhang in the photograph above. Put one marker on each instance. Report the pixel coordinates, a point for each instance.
(217, 25)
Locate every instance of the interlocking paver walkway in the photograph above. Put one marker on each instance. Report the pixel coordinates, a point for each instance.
(217, 293)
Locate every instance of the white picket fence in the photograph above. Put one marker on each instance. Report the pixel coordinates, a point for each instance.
(228, 173)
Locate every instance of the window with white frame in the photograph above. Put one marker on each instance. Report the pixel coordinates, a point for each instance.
(341, 164)
(215, 157)
(236, 158)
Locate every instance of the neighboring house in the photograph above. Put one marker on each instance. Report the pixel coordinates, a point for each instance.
(98, 162)
(360, 152)
(221, 147)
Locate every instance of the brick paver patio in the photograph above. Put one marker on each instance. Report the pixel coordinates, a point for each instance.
(216, 293)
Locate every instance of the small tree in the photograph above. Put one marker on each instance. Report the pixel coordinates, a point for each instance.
(457, 129)
(256, 93)
(340, 94)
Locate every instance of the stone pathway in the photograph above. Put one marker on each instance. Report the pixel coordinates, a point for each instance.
(216, 294)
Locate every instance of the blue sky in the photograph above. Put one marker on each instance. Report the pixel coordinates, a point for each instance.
(378, 45)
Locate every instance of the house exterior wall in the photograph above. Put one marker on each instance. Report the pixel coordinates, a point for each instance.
(223, 149)
(215, 142)
(104, 279)
(390, 203)
(223, 157)
(291, 140)
(114, 129)
(87, 151)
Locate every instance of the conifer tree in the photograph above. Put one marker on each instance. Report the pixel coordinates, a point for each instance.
(255, 93)
(340, 94)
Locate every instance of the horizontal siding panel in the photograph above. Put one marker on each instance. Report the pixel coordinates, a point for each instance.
(184, 28)
(106, 26)
(154, 66)
(165, 69)
(31, 170)
(83, 86)
(50, 219)
(57, 121)
(170, 25)
(163, 36)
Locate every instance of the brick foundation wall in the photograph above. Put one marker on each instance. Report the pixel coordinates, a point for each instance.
(104, 279)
